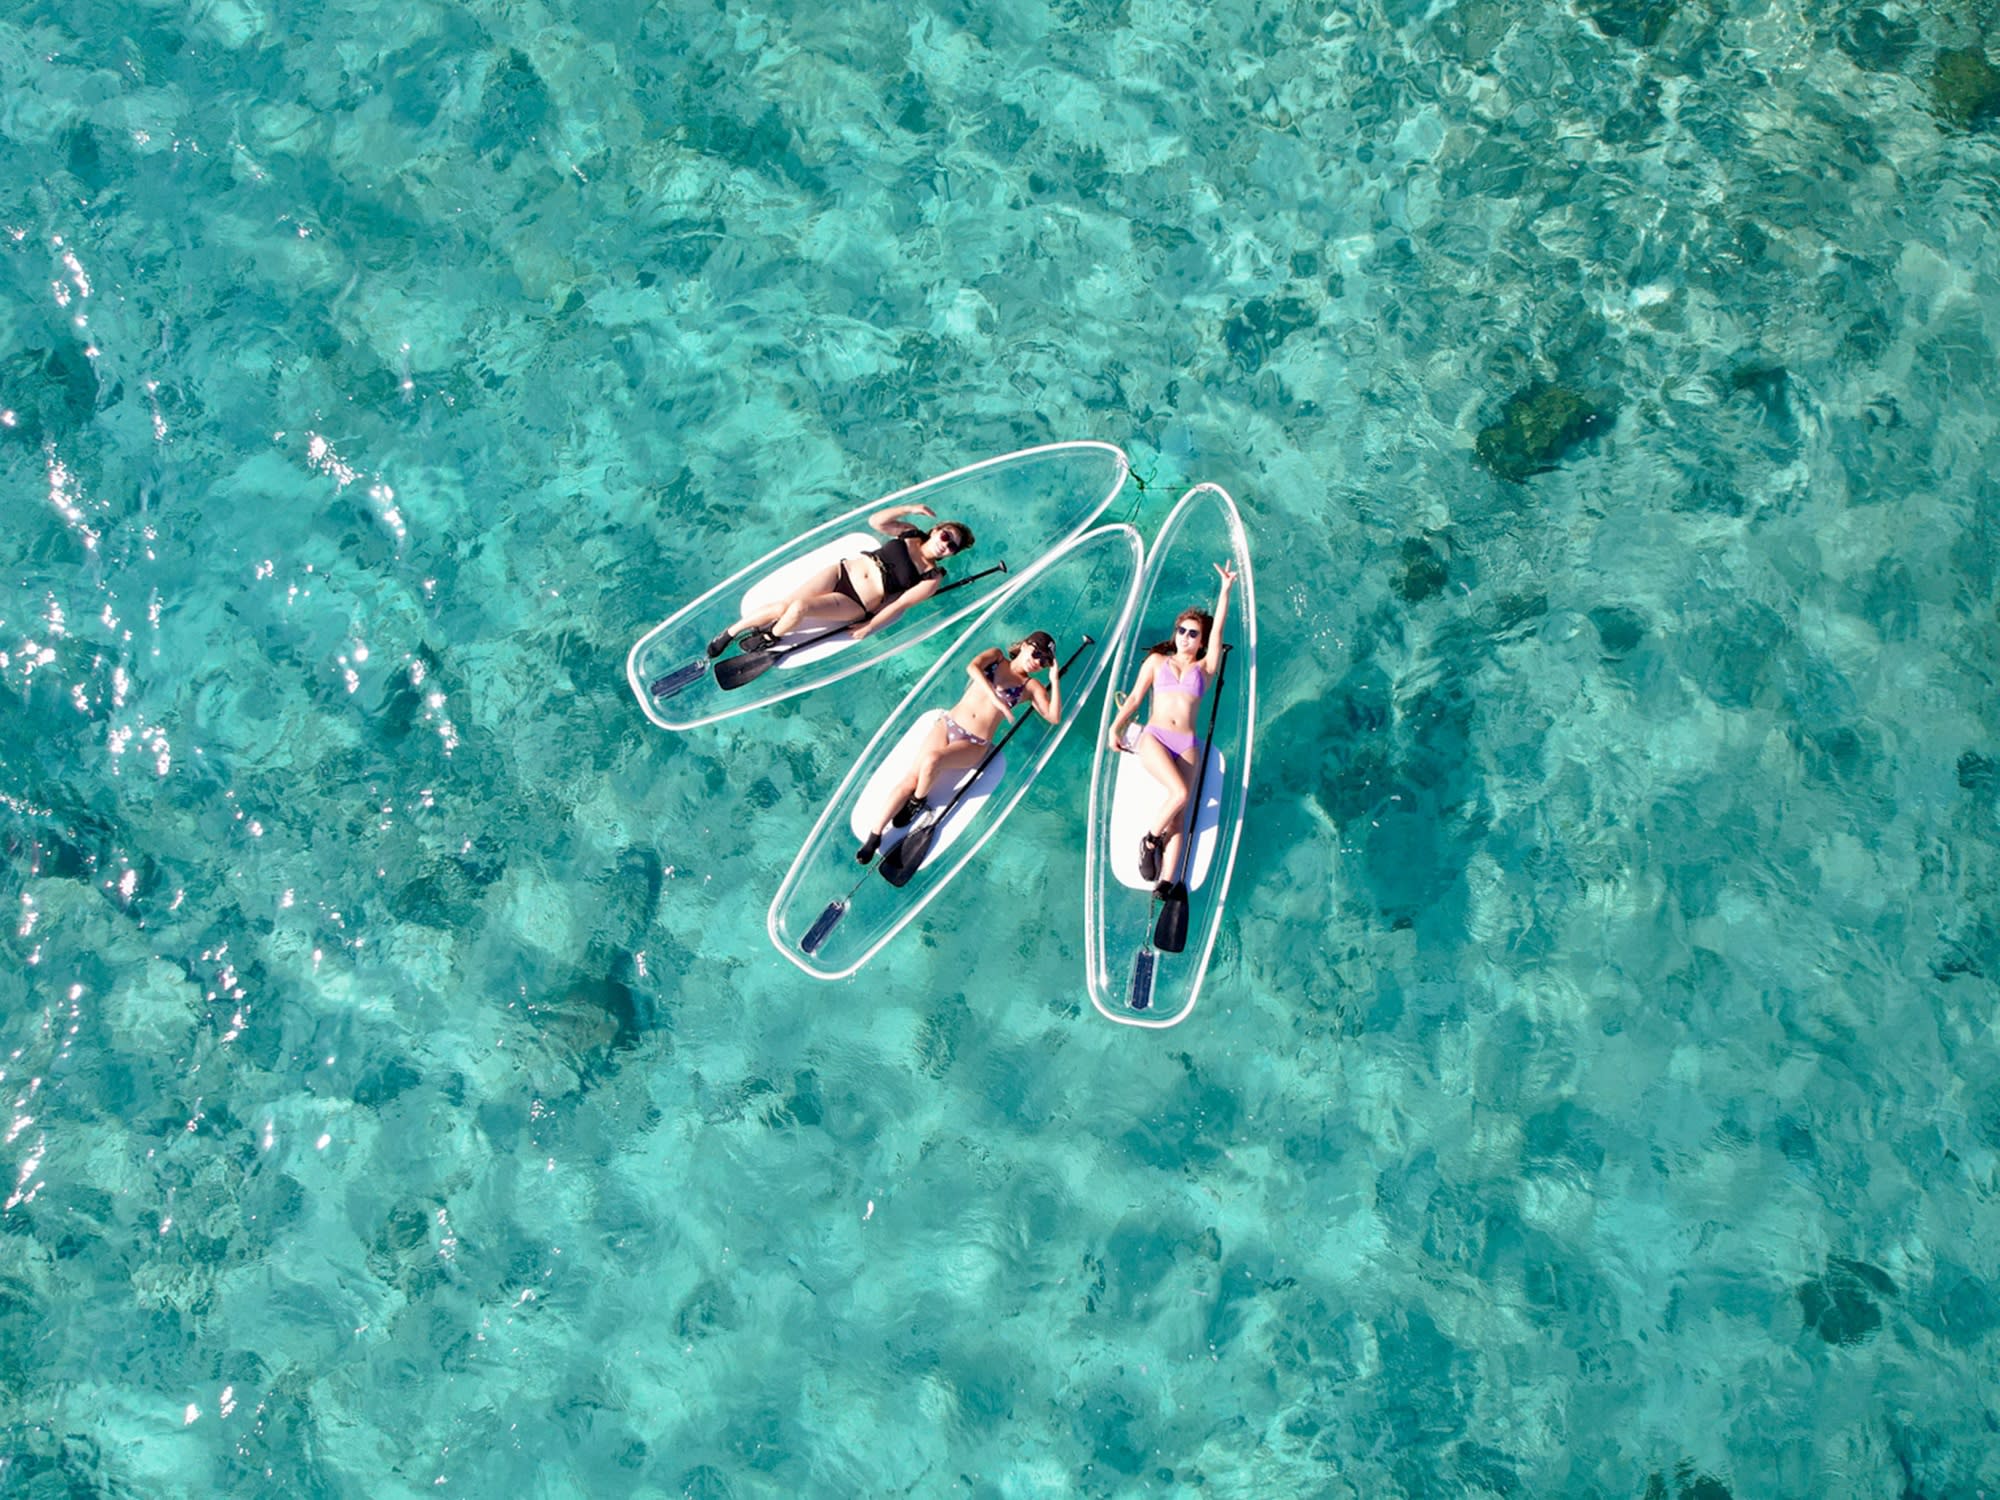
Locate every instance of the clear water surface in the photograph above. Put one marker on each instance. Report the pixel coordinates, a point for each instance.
(1598, 1091)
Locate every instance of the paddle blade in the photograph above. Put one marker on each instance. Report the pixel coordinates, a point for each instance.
(901, 863)
(1140, 996)
(735, 671)
(817, 933)
(674, 681)
(1170, 931)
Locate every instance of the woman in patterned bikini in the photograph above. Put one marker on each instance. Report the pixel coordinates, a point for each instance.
(962, 735)
(1176, 673)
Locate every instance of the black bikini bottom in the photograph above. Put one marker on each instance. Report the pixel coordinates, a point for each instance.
(842, 584)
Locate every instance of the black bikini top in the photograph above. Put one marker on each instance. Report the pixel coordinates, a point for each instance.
(899, 574)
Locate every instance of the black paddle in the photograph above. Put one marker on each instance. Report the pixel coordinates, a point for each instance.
(1170, 931)
(734, 671)
(903, 861)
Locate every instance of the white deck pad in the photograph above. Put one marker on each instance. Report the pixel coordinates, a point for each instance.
(1135, 800)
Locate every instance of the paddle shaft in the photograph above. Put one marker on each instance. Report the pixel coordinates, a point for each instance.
(837, 908)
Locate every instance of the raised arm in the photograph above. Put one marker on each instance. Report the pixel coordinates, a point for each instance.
(976, 668)
(889, 520)
(1212, 663)
(1048, 700)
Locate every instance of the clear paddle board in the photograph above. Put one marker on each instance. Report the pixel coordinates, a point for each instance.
(1132, 980)
(1020, 506)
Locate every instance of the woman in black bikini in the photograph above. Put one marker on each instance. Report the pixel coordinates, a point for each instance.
(871, 588)
(962, 735)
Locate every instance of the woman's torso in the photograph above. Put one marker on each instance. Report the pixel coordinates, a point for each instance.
(1176, 690)
(976, 710)
(881, 575)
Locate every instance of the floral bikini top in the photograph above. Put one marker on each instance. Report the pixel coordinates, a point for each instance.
(1008, 695)
(1193, 682)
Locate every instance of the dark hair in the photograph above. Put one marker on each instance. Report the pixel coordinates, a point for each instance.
(1041, 640)
(1202, 616)
(958, 531)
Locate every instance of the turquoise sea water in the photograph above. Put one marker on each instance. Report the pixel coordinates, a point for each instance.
(1598, 1091)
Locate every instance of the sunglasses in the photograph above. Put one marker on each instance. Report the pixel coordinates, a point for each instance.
(1193, 630)
(948, 542)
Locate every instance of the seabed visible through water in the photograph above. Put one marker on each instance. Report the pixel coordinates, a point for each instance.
(1597, 1091)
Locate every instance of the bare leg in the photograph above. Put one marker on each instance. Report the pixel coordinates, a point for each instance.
(1166, 768)
(806, 596)
(953, 759)
(905, 787)
(834, 609)
(893, 797)
(1172, 774)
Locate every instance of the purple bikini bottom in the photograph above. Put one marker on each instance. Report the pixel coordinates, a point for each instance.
(955, 734)
(1179, 743)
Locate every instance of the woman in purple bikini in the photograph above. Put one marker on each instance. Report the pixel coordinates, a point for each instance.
(962, 735)
(1177, 673)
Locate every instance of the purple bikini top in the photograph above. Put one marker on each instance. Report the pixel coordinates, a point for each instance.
(1194, 682)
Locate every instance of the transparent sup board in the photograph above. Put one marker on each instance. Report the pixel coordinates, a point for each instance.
(1121, 961)
(1088, 586)
(1019, 506)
